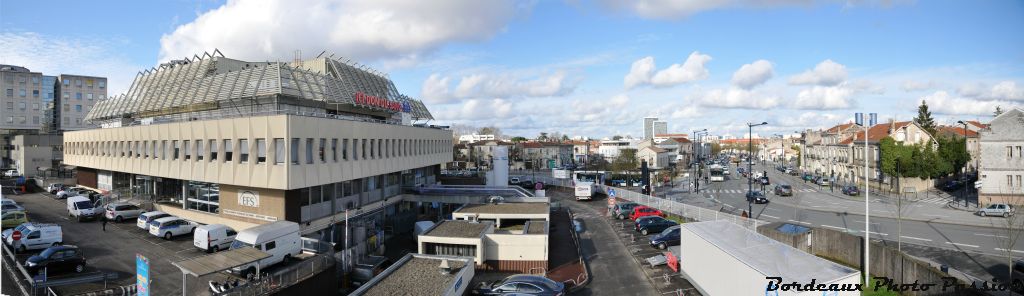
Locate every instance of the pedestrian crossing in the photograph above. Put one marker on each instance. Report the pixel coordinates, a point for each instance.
(745, 191)
(939, 200)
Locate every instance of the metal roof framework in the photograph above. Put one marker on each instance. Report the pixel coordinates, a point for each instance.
(217, 262)
(195, 81)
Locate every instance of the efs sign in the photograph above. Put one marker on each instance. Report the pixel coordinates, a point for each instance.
(249, 198)
(373, 101)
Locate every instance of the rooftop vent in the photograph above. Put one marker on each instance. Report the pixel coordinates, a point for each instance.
(445, 268)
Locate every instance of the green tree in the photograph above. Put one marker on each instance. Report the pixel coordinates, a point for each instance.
(565, 138)
(616, 137)
(626, 161)
(953, 151)
(518, 139)
(924, 118)
(890, 156)
(999, 110)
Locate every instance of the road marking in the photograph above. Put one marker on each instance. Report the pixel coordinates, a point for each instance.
(728, 205)
(817, 206)
(769, 216)
(961, 245)
(1004, 250)
(878, 233)
(773, 209)
(917, 238)
(990, 235)
(830, 226)
(933, 215)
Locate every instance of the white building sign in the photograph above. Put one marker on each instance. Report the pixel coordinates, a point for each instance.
(249, 198)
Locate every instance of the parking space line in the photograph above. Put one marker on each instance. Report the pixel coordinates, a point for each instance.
(961, 245)
(769, 216)
(833, 227)
(1004, 250)
(878, 233)
(917, 238)
(990, 235)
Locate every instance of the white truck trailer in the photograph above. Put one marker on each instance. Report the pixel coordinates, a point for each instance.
(723, 258)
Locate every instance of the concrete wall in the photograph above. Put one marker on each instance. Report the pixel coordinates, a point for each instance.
(271, 204)
(707, 267)
(203, 217)
(86, 148)
(422, 241)
(517, 247)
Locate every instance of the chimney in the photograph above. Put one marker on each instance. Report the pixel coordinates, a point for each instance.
(445, 268)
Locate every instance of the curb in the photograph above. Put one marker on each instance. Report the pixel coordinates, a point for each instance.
(893, 217)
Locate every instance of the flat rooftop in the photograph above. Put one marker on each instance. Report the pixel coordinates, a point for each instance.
(418, 276)
(459, 228)
(507, 208)
(537, 227)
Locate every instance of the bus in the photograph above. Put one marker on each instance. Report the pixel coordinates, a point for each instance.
(717, 173)
(586, 183)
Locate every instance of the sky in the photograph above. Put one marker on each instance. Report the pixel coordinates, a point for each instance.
(577, 67)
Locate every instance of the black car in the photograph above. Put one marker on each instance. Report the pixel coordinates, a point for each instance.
(522, 284)
(653, 225)
(851, 190)
(668, 237)
(756, 197)
(56, 259)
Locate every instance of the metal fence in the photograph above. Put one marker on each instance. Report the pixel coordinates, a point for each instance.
(273, 283)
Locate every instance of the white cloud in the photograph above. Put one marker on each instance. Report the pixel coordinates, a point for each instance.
(640, 73)
(477, 109)
(971, 89)
(58, 55)
(475, 86)
(826, 73)
(812, 120)
(914, 85)
(1004, 90)
(358, 29)
(750, 75)
(736, 98)
(941, 102)
(674, 9)
(824, 98)
(691, 70)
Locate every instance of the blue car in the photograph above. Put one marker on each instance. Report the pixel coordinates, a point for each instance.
(667, 238)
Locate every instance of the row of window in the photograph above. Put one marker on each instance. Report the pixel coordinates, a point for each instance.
(313, 150)
(1009, 181)
(66, 95)
(1011, 149)
(88, 83)
(21, 120)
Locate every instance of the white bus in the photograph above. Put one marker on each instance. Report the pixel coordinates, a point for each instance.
(585, 183)
(717, 173)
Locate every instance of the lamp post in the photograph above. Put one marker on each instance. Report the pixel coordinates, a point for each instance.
(750, 166)
(803, 151)
(962, 193)
(693, 148)
(860, 120)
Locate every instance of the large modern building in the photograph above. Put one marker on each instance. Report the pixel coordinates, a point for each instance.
(1002, 160)
(649, 127)
(78, 95)
(219, 140)
(658, 128)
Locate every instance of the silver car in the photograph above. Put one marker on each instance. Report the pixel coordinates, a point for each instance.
(1003, 210)
(121, 211)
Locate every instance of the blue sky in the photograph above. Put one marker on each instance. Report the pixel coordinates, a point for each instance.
(591, 68)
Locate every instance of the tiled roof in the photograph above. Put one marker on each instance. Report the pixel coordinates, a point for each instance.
(877, 132)
(681, 140)
(956, 131)
(839, 128)
(976, 123)
(533, 145)
(672, 136)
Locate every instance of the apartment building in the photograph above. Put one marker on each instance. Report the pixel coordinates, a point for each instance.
(1002, 159)
(78, 94)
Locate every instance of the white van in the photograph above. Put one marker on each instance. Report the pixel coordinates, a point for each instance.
(35, 236)
(213, 237)
(279, 239)
(143, 221)
(82, 208)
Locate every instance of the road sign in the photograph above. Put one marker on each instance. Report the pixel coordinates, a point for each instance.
(977, 184)
(611, 192)
(16, 235)
(142, 275)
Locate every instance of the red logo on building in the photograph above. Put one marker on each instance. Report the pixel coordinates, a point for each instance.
(373, 101)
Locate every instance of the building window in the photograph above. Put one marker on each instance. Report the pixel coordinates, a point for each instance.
(67, 95)
(227, 151)
(344, 149)
(243, 150)
(295, 151)
(35, 93)
(213, 150)
(309, 150)
(261, 150)
(10, 92)
(334, 150)
(174, 155)
(278, 150)
(199, 150)
(188, 150)
(67, 82)
(78, 108)
(363, 148)
(145, 149)
(323, 150)
(35, 80)
(35, 119)
(21, 93)
(203, 197)
(163, 149)
(35, 106)
(78, 96)
(1009, 181)
(372, 144)
(103, 84)
(21, 105)
(1009, 152)
(88, 96)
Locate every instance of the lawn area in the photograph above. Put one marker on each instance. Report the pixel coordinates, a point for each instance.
(881, 292)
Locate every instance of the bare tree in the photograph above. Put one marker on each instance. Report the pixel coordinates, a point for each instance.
(1012, 230)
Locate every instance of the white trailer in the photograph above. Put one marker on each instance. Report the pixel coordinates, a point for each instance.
(584, 190)
(723, 258)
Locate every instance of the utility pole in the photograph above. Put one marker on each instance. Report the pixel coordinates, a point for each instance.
(750, 166)
(859, 117)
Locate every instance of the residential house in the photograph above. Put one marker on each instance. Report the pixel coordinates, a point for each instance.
(657, 158)
(1002, 159)
(546, 155)
(973, 147)
(906, 132)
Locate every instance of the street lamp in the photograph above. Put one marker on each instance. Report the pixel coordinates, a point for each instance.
(693, 151)
(962, 194)
(750, 166)
(860, 120)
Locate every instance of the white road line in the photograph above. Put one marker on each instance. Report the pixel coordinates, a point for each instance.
(878, 233)
(917, 238)
(769, 216)
(990, 235)
(962, 245)
(817, 206)
(773, 209)
(728, 205)
(1004, 250)
(934, 215)
(833, 227)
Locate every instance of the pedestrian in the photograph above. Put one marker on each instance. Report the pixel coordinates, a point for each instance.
(103, 218)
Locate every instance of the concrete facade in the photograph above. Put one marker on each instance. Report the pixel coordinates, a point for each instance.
(34, 153)
(77, 94)
(1002, 160)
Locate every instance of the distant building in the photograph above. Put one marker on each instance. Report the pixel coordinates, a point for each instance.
(659, 127)
(649, 127)
(78, 95)
(610, 149)
(1002, 160)
(35, 154)
(546, 155)
(475, 138)
(973, 147)
(657, 158)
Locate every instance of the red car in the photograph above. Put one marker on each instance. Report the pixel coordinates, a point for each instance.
(643, 211)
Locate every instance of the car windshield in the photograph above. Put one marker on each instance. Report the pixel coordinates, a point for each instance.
(82, 205)
(785, 186)
(48, 252)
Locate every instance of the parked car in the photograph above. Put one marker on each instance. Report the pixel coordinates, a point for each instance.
(808, 177)
(1018, 266)
(56, 259)
(53, 188)
(952, 185)
(168, 227)
(118, 212)
(1003, 210)
(7, 232)
(851, 190)
(213, 237)
(81, 208)
(143, 221)
(35, 236)
(756, 197)
(667, 238)
(822, 181)
(13, 218)
(522, 284)
(792, 172)
(12, 173)
(72, 191)
(280, 239)
(641, 211)
(653, 225)
(623, 210)
(783, 190)
(10, 205)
